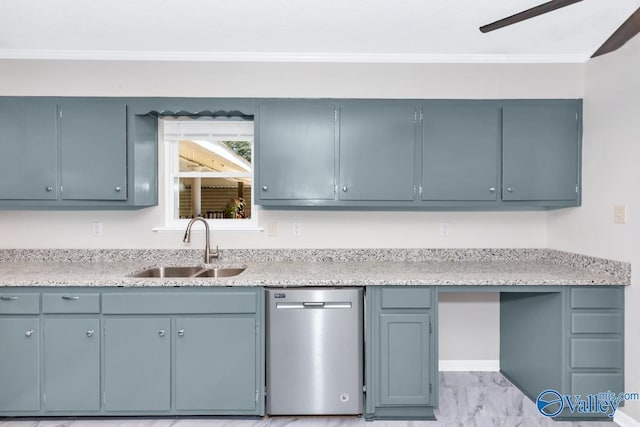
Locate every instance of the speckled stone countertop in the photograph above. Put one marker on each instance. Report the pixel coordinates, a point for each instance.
(323, 267)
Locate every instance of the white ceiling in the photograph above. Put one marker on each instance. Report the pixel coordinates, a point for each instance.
(409, 31)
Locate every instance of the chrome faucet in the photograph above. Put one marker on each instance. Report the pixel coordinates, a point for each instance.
(208, 256)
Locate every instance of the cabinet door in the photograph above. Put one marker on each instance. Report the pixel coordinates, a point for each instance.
(377, 151)
(29, 146)
(216, 364)
(404, 359)
(460, 151)
(19, 364)
(71, 364)
(296, 150)
(137, 364)
(94, 151)
(540, 150)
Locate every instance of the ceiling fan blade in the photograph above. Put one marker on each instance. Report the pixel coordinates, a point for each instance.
(528, 14)
(623, 34)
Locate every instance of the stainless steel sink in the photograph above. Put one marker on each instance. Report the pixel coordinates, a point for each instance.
(220, 272)
(191, 271)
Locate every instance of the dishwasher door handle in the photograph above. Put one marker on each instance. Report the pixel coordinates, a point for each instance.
(313, 304)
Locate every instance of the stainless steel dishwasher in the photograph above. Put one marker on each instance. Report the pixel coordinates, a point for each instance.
(314, 351)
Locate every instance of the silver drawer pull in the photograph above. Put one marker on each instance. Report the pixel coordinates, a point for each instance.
(162, 332)
(71, 298)
(8, 298)
(89, 334)
(181, 332)
(29, 333)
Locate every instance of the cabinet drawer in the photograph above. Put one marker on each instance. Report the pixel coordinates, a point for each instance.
(596, 323)
(71, 303)
(405, 297)
(158, 303)
(16, 303)
(596, 298)
(596, 353)
(584, 383)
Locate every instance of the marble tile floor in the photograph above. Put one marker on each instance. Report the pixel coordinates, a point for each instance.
(467, 399)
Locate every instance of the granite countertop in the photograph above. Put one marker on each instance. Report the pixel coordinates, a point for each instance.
(469, 267)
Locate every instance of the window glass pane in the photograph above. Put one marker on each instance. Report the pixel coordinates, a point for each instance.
(215, 156)
(214, 197)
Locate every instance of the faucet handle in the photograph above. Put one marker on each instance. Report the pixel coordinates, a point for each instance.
(215, 255)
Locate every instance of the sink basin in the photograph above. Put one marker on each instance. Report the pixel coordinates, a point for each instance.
(193, 271)
(162, 272)
(220, 272)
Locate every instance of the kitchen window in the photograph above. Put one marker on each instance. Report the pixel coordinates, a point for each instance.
(208, 171)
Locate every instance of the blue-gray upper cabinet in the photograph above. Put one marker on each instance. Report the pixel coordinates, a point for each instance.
(377, 150)
(295, 146)
(29, 146)
(93, 150)
(460, 149)
(541, 150)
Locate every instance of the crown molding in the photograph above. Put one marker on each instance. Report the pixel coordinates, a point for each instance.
(320, 57)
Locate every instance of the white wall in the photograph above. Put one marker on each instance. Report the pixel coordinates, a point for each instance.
(611, 154)
(319, 228)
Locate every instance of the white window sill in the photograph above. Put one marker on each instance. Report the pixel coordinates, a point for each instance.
(181, 229)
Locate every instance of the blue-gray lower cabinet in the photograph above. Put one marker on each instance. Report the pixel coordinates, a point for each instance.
(86, 351)
(71, 374)
(215, 364)
(137, 364)
(401, 354)
(19, 364)
(569, 339)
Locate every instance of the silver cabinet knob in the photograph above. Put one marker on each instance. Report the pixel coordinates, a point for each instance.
(89, 334)
(344, 189)
(162, 332)
(492, 189)
(264, 188)
(29, 333)
(118, 189)
(181, 332)
(510, 189)
(49, 189)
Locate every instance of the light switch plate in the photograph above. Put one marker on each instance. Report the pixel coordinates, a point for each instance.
(620, 214)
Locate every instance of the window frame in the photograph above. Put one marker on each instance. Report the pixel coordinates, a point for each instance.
(168, 167)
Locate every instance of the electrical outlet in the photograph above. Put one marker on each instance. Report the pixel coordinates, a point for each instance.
(96, 229)
(272, 229)
(297, 229)
(620, 214)
(444, 229)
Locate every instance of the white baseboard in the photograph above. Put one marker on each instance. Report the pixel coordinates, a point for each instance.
(624, 420)
(469, 365)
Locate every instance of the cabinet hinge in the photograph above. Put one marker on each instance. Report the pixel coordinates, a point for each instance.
(415, 117)
(257, 328)
(257, 395)
(265, 391)
(44, 397)
(415, 189)
(576, 117)
(335, 188)
(430, 328)
(430, 388)
(421, 116)
(60, 113)
(364, 388)
(420, 190)
(61, 188)
(335, 115)
(577, 188)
